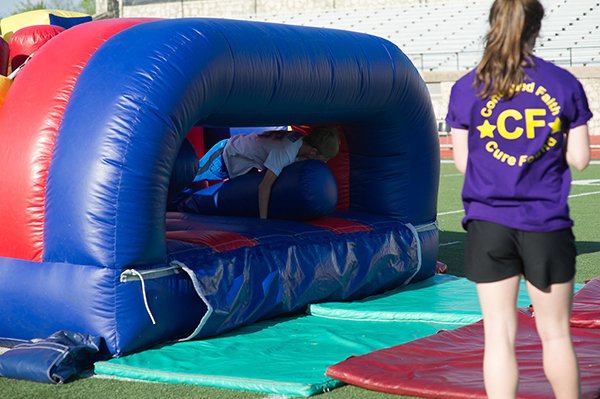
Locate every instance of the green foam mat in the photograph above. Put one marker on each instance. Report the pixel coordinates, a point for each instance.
(285, 356)
(441, 298)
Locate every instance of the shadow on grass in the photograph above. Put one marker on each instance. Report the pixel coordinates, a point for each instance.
(452, 251)
(587, 247)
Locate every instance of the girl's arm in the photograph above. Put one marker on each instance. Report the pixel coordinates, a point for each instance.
(578, 147)
(264, 193)
(460, 148)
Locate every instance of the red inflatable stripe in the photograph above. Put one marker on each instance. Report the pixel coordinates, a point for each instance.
(339, 226)
(196, 138)
(219, 241)
(29, 123)
(340, 167)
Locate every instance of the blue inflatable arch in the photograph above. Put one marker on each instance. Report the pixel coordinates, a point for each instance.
(130, 109)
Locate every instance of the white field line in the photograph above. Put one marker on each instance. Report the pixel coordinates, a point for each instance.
(447, 244)
(586, 182)
(584, 194)
(592, 162)
(450, 213)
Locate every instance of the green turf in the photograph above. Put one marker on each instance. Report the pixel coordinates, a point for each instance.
(583, 211)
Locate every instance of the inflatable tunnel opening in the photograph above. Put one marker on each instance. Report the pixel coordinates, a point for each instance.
(307, 189)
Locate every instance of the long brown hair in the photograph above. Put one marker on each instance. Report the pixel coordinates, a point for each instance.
(513, 26)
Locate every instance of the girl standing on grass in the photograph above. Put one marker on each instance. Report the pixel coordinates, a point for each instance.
(518, 122)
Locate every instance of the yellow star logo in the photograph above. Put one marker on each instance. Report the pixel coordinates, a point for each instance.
(486, 130)
(556, 125)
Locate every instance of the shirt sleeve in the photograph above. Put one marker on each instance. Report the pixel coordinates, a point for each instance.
(582, 112)
(277, 160)
(458, 116)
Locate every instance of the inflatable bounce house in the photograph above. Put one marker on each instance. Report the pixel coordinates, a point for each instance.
(97, 125)
(33, 29)
(56, 18)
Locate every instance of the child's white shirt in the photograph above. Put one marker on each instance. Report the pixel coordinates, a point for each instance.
(271, 150)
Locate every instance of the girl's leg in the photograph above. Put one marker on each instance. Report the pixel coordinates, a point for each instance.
(498, 304)
(552, 309)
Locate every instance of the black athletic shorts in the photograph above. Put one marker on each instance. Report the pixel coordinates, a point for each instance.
(494, 252)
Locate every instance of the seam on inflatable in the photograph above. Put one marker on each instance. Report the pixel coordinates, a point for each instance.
(59, 348)
(231, 56)
(196, 283)
(115, 316)
(419, 255)
(118, 197)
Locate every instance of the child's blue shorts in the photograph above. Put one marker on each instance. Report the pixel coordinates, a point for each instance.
(211, 165)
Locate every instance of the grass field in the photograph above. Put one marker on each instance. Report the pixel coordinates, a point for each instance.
(585, 198)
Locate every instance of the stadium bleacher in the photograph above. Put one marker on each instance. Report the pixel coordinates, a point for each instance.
(448, 35)
(444, 36)
(572, 30)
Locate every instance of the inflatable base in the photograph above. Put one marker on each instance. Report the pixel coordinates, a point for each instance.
(221, 273)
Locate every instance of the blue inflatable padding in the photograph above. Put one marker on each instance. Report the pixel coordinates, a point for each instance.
(59, 358)
(226, 73)
(294, 264)
(281, 267)
(184, 170)
(380, 155)
(429, 240)
(130, 145)
(68, 22)
(92, 300)
(303, 191)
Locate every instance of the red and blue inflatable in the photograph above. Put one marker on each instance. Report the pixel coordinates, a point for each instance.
(90, 132)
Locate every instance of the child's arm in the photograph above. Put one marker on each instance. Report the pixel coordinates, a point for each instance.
(460, 148)
(264, 193)
(578, 147)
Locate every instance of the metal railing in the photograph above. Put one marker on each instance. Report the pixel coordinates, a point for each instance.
(463, 60)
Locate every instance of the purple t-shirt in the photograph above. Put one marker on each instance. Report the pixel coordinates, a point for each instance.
(517, 174)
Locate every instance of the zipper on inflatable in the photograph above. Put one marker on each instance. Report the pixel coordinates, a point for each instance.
(129, 275)
(427, 227)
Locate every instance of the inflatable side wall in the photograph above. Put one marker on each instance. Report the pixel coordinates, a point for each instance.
(88, 160)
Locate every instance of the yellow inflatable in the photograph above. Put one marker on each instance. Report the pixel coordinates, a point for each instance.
(10, 25)
(5, 84)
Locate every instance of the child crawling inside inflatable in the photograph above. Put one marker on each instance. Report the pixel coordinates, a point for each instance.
(267, 153)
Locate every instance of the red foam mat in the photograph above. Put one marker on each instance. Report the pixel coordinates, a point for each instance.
(448, 365)
(586, 306)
